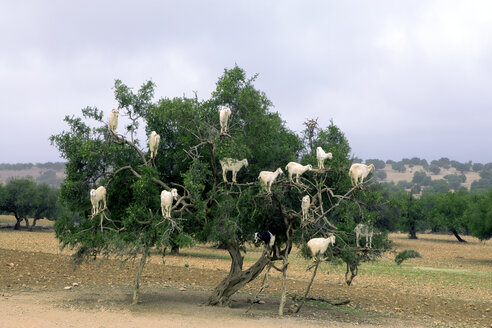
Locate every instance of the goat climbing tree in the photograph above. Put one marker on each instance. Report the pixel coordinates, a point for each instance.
(208, 210)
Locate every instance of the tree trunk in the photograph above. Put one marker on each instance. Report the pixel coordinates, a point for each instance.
(27, 223)
(455, 233)
(237, 278)
(174, 250)
(17, 223)
(284, 281)
(136, 291)
(33, 224)
(412, 232)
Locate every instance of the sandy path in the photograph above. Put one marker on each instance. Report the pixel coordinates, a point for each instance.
(41, 310)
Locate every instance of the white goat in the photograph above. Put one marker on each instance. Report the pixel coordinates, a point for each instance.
(97, 196)
(267, 177)
(231, 164)
(362, 230)
(225, 112)
(297, 169)
(113, 120)
(358, 172)
(154, 140)
(306, 202)
(320, 245)
(321, 156)
(167, 201)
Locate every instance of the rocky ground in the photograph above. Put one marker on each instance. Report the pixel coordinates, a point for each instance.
(450, 286)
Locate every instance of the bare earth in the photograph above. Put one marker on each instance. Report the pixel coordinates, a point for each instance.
(450, 286)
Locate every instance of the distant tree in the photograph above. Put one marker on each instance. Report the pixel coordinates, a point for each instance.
(455, 180)
(24, 198)
(380, 175)
(434, 169)
(487, 167)
(484, 183)
(420, 178)
(378, 164)
(356, 159)
(443, 162)
(440, 186)
(390, 162)
(449, 212)
(477, 167)
(415, 161)
(399, 166)
(44, 204)
(479, 215)
(412, 214)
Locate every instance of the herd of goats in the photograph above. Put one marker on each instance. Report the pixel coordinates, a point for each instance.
(358, 172)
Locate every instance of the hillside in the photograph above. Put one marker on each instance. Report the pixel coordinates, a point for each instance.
(50, 173)
(395, 176)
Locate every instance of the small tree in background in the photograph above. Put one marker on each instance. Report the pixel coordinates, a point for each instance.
(24, 198)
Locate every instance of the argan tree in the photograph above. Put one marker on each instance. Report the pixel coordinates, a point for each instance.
(209, 209)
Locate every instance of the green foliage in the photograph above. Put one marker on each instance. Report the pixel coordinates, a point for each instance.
(455, 180)
(479, 215)
(399, 167)
(443, 162)
(420, 178)
(378, 164)
(434, 169)
(25, 199)
(477, 167)
(412, 214)
(449, 210)
(405, 255)
(380, 175)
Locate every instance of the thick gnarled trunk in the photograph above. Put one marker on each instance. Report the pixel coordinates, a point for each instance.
(237, 278)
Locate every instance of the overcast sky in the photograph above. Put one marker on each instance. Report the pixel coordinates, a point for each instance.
(400, 78)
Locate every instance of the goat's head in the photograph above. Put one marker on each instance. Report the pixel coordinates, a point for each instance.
(174, 192)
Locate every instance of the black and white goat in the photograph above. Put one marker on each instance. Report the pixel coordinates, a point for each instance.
(266, 237)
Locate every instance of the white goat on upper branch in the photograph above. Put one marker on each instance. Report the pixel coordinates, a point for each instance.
(113, 120)
(231, 164)
(225, 112)
(154, 141)
(97, 196)
(167, 201)
(297, 169)
(358, 172)
(321, 156)
(267, 178)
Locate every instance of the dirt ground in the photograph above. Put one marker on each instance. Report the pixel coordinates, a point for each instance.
(450, 286)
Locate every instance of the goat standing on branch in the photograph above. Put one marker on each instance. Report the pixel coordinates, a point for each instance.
(306, 202)
(267, 178)
(358, 172)
(267, 237)
(225, 112)
(297, 169)
(113, 120)
(231, 164)
(321, 156)
(167, 201)
(362, 230)
(154, 140)
(97, 196)
(318, 246)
